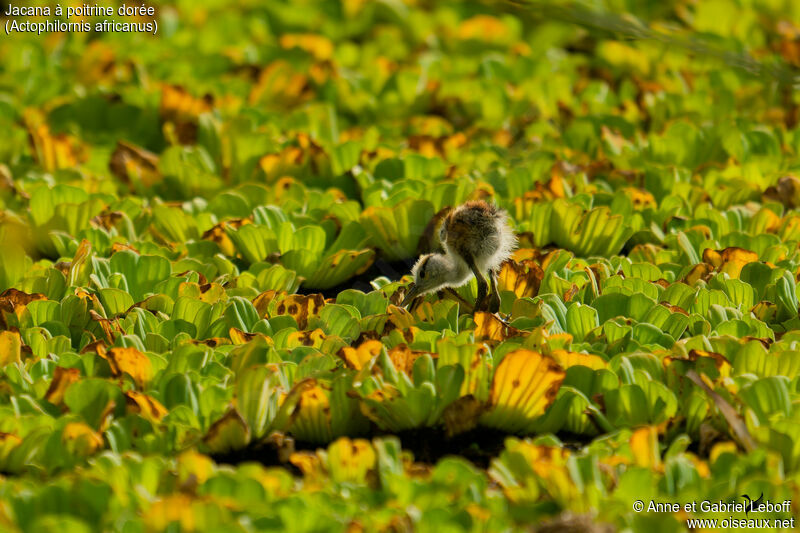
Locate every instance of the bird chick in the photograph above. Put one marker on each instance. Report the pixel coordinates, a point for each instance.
(476, 239)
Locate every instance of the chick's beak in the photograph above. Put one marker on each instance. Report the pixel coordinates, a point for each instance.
(413, 292)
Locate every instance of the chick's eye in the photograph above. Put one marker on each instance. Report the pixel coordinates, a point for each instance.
(422, 275)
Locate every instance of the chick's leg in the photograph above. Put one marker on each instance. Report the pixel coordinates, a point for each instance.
(494, 298)
(482, 288)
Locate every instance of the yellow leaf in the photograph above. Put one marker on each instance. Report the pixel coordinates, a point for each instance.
(403, 358)
(359, 356)
(62, 379)
(318, 46)
(132, 362)
(523, 278)
(16, 301)
(490, 328)
(730, 260)
(351, 460)
(51, 151)
(644, 447)
(179, 111)
(8, 441)
(640, 198)
(312, 418)
(280, 84)
(312, 468)
(569, 359)
(80, 440)
(176, 507)
(218, 235)
(194, 468)
(525, 383)
(10, 348)
(241, 337)
(484, 28)
(147, 406)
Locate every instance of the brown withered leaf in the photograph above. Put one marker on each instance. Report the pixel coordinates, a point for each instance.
(147, 406)
(523, 277)
(228, 433)
(700, 271)
(280, 84)
(62, 379)
(132, 164)
(110, 327)
(13, 301)
(462, 415)
(179, 111)
(490, 328)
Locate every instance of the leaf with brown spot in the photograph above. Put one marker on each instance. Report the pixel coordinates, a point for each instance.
(570, 293)
(640, 198)
(524, 384)
(62, 379)
(462, 415)
(299, 307)
(241, 337)
(8, 442)
(53, 151)
(79, 440)
(227, 434)
(311, 420)
(313, 338)
(735, 422)
(403, 358)
(180, 109)
(359, 356)
(219, 235)
(490, 328)
(310, 464)
(351, 460)
(147, 406)
(213, 342)
(15, 299)
(522, 277)
(132, 362)
(699, 271)
(765, 311)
